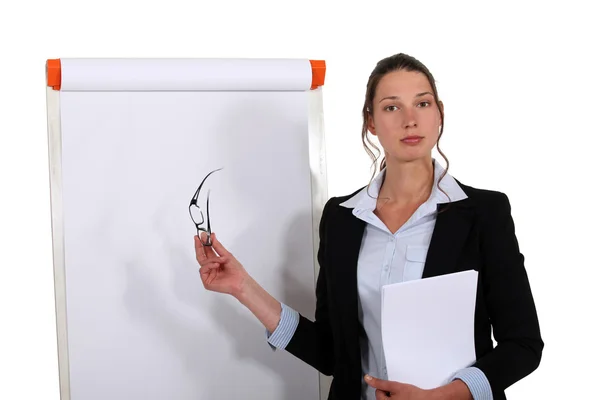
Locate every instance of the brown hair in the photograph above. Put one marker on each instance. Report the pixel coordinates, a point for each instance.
(393, 63)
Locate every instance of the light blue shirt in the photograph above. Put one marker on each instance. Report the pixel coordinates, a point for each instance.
(389, 257)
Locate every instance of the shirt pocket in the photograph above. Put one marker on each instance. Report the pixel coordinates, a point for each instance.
(415, 262)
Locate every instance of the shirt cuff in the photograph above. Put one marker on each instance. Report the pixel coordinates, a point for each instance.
(288, 323)
(477, 382)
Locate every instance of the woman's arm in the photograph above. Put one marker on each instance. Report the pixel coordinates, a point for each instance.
(264, 306)
(311, 341)
(509, 302)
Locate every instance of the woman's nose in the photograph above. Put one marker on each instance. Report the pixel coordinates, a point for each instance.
(409, 119)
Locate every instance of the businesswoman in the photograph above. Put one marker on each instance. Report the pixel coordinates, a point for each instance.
(412, 221)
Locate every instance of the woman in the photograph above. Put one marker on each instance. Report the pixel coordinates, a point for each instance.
(412, 221)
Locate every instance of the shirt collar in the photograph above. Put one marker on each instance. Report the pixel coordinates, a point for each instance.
(366, 199)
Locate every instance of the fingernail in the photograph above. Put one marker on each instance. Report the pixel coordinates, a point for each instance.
(368, 377)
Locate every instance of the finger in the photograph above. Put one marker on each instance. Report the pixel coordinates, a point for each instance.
(208, 271)
(218, 246)
(208, 249)
(207, 276)
(211, 260)
(381, 395)
(378, 383)
(209, 265)
(200, 254)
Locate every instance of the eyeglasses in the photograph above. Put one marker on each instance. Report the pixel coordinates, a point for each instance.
(198, 216)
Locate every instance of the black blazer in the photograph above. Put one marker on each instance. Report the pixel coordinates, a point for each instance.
(475, 233)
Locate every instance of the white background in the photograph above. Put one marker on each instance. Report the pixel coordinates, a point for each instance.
(520, 84)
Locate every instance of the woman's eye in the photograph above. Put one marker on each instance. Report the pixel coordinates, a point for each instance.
(390, 108)
(424, 102)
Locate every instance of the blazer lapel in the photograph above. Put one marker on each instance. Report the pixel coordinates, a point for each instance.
(452, 228)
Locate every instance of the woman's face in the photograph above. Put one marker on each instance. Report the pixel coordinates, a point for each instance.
(404, 108)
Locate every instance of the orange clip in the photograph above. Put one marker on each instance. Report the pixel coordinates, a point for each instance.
(318, 73)
(53, 74)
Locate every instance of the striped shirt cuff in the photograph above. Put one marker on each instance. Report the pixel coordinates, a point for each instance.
(288, 323)
(477, 382)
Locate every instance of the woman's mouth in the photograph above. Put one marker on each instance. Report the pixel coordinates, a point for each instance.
(411, 140)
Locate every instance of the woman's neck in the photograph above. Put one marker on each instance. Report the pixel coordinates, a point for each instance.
(407, 182)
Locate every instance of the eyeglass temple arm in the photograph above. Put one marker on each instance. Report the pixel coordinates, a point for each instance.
(194, 202)
(208, 214)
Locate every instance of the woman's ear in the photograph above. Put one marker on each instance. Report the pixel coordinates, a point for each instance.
(371, 124)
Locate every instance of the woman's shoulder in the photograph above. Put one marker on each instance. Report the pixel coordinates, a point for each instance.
(486, 200)
(483, 196)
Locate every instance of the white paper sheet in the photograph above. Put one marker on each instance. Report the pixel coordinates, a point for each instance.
(427, 328)
(185, 74)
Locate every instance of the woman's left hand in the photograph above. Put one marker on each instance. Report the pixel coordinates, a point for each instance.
(397, 390)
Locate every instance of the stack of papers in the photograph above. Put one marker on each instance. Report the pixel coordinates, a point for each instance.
(428, 328)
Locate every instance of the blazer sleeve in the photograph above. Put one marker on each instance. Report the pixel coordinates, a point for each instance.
(509, 301)
(313, 342)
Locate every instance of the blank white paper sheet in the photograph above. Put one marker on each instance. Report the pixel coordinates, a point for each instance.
(427, 328)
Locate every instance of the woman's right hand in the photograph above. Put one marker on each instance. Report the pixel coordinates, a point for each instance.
(221, 271)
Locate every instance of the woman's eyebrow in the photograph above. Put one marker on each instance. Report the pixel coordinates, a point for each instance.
(396, 97)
